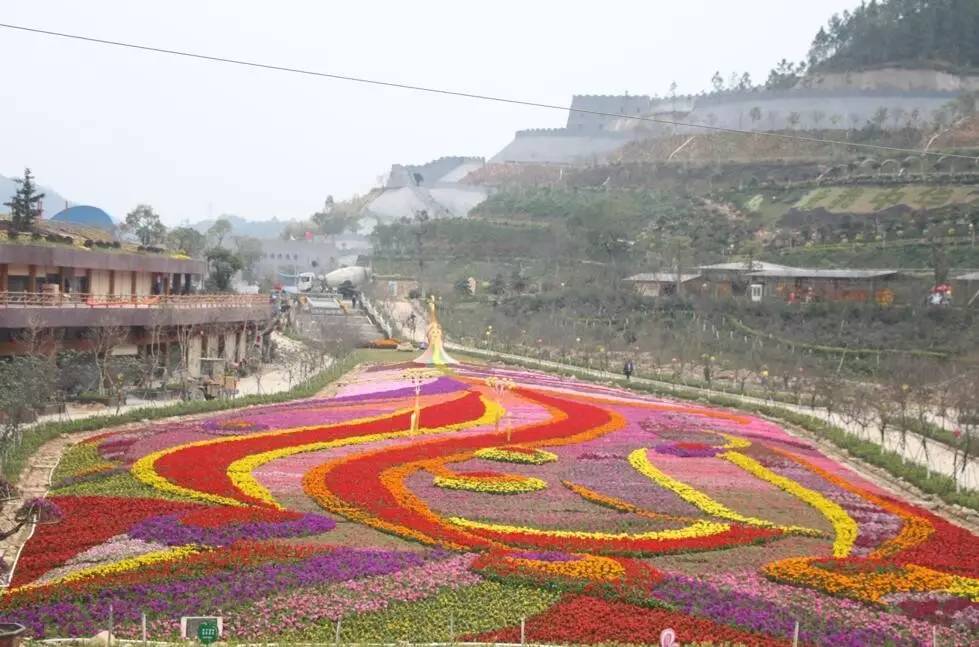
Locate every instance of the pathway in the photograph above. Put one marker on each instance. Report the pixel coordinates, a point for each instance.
(34, 482)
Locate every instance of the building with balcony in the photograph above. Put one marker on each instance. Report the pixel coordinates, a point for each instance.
(74, 294)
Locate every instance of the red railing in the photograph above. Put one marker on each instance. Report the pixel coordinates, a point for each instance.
(181, 301)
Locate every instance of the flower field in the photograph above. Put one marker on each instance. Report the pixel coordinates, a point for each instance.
(595, 514)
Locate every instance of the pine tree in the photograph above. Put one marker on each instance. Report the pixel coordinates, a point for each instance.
(25, 205)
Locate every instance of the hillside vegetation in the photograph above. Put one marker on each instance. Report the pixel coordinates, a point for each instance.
(905, 32)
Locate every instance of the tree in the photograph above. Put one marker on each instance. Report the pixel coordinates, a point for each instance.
(147, 226)
(794, 119)
(717, 81)
(248, 250)
(755, 114)
(25, 205)
(899, 31)
(223, 265)
(784, 75)
(220, 229)
(745, 82)
(880, 116)
(187, 240)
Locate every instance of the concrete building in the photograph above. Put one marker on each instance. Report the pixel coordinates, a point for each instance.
(76, 293)
(289, 257)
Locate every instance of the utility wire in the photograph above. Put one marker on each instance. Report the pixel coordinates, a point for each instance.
(471, 95)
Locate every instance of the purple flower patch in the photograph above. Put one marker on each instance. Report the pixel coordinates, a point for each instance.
(688, 450)
(232, 426)
(169, 530)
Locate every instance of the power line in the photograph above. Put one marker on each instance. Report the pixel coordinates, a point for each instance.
(471, 95)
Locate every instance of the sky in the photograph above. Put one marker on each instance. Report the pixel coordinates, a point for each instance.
(115, 128)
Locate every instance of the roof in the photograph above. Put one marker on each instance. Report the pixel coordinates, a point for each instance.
(971, 276)
(811, 273)
(661, 277)
(85, 215)
(742, 266)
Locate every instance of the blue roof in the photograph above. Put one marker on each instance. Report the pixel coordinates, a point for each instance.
(87, 216)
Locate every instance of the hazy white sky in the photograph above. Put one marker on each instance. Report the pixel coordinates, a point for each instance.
(114, 127)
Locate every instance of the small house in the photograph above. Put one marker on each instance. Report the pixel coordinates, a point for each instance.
(800, 284)
(662, 284)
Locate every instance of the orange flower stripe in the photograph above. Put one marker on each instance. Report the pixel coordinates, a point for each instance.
(874, 582)
(914, 531)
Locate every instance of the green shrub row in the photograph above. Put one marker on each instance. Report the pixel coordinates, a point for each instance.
(34, 437)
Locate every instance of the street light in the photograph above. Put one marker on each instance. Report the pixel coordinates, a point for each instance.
(417, 378)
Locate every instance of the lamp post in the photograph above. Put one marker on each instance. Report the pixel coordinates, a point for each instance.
(417, 378)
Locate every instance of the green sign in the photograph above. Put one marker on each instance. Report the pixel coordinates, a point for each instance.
(207, 632)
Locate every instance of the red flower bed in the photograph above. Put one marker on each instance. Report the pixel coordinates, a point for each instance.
(204, 468)
(218, 517)
(357, 483)
(579, 619)
(950, 549)
(88, 521)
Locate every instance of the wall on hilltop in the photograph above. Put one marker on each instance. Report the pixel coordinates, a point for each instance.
(562, 147)
(893, 78)
(431, 173)
(586, 123)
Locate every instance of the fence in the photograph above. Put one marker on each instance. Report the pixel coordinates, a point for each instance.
(89, 301)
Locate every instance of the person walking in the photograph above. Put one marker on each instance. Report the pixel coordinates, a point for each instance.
(629, 369)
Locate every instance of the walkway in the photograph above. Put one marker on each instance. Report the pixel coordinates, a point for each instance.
(34, 482)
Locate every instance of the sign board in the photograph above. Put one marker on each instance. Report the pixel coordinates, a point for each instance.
(201, 628)
(207, 632)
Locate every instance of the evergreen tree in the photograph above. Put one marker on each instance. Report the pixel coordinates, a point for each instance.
(893, 32)
(25, 205)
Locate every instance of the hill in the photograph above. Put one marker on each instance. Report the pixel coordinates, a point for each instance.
(241, 227)
(920, 33)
